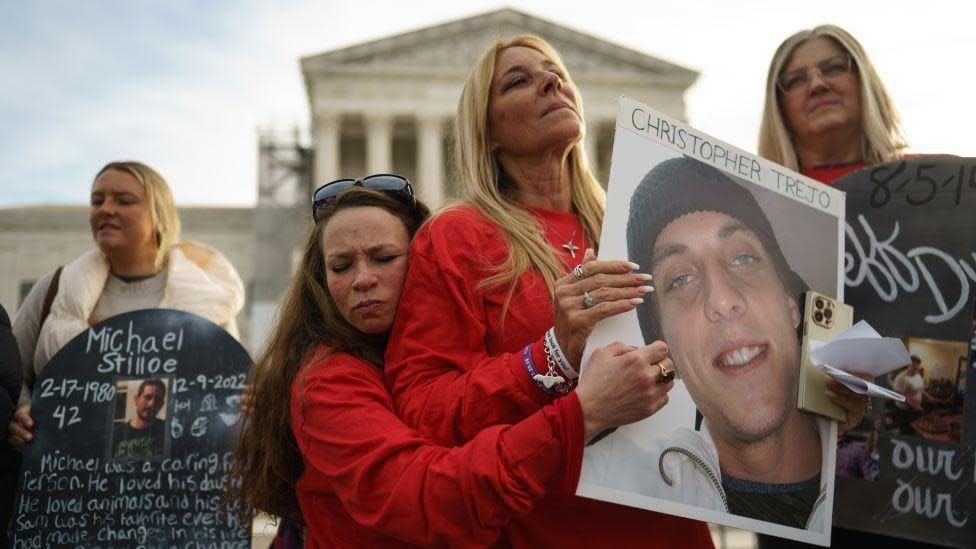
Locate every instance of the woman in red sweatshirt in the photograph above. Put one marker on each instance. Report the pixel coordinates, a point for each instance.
(322, 444)
(495, 290)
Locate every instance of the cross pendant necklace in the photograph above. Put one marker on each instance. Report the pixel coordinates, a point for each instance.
(571, 247)
(568, 246)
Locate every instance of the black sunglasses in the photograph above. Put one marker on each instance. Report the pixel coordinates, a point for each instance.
(394, 185)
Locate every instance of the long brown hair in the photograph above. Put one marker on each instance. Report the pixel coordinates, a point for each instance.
(267, 461)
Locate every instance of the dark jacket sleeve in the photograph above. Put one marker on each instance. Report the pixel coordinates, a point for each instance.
(10, 373)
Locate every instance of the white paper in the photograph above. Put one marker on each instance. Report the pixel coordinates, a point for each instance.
(861, 349)
(861, 386)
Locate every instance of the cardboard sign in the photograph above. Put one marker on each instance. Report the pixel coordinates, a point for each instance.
(135, 420)
(733, 242)
(911, 273)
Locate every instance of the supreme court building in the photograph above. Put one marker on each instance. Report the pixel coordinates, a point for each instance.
(382, 106)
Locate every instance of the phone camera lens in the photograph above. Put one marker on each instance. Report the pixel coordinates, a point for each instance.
(828, 313)
(820, 304)
(818, 316)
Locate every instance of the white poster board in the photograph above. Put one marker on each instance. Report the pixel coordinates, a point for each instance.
(732, 241)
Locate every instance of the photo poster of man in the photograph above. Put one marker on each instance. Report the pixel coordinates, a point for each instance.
(733, 242)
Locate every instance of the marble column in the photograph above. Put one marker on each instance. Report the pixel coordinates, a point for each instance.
(430, 161)
(379, 143)
(327, 159)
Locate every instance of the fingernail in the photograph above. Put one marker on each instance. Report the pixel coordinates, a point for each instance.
(644, 277)
(636, 301)
(633, 266)
(645, 289)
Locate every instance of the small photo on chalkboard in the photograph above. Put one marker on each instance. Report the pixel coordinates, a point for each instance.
(934, 387)
(139, 428)
(858, 455)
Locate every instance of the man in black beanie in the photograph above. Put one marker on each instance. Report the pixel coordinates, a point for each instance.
(726, 304)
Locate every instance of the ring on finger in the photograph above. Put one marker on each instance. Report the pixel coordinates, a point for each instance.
(588, 300)
(667, 374)
(578, 272)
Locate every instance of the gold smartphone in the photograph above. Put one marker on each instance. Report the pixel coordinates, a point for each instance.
(824, 318)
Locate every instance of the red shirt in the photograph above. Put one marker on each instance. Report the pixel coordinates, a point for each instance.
(371, 481)
(455, 368)
(829, 173)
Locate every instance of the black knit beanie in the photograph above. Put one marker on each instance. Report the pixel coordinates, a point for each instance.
(681, 186)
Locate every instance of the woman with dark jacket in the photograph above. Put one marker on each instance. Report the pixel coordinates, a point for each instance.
(9, 393)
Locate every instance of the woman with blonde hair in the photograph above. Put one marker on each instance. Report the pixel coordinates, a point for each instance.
(323, 445)
(499, 298)
(138, 263)
(826, 112)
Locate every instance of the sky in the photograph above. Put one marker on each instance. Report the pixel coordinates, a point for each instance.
(187, 86)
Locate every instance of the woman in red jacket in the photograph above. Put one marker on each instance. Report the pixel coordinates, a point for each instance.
(495, 286)
(322, 443)
(827, 113)
(494, 292)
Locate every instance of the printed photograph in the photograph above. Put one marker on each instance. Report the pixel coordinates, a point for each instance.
(934, 387)
(857, 452)
(731, 260)
(139, 425)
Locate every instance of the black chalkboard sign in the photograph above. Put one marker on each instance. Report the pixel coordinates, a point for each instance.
(134, 426)
(911, 272)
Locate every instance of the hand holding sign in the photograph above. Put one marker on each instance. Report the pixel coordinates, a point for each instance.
(861, 349)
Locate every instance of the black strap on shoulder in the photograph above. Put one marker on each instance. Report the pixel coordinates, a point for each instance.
(52, 290)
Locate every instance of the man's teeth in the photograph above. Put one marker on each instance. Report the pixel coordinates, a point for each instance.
(740, 356)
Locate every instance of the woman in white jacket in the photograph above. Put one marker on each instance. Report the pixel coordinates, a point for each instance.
(139, 263)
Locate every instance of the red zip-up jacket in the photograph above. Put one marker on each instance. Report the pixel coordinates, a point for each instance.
(454, 366)
(371, 481)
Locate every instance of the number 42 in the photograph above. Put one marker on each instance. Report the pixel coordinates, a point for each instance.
(62, 413)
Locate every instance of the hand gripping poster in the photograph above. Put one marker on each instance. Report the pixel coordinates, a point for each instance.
(733, 243)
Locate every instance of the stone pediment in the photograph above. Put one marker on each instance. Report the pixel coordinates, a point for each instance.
(453, 47)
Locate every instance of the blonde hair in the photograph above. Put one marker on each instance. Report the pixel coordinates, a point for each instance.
(165, 219)
(882, 138)
(482, 183)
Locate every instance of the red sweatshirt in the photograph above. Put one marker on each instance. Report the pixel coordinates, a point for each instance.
(827, 174)
(455, 368)
(371, 481)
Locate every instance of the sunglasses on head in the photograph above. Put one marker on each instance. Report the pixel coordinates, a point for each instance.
(394, 185)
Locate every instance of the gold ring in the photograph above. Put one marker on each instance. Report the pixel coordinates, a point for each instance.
(666, 374)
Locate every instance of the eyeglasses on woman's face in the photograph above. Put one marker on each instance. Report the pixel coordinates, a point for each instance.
(830, 68)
